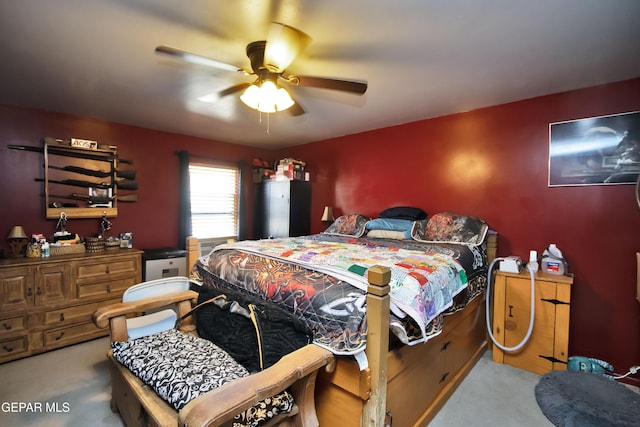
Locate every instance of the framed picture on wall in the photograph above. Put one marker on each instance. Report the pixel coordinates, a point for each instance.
(100, 197)
(595, 151)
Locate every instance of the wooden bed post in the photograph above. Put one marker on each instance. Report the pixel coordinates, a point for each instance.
(492, 247)
(375, 408)
(193, 253)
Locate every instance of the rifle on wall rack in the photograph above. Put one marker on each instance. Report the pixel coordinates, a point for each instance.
(126, 174)
(124, 184)
(97, 199)
(73, 152)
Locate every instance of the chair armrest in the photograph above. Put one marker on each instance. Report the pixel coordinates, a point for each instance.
(222, 404)
(104, 314)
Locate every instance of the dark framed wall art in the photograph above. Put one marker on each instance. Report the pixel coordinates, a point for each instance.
(595, 151)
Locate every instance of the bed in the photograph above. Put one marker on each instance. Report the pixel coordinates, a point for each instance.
(402, 349)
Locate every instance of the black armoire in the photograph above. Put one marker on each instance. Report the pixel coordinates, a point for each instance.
(284, 209)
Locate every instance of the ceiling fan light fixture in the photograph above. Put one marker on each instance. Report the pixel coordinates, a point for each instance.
(284, 43)
(283, 100)
(267, 98)
(251, 97)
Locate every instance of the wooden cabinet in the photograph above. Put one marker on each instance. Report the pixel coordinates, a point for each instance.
(47, 303)
(285, 209)
(547, 348)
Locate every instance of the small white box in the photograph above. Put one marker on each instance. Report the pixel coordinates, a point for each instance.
(511, 264)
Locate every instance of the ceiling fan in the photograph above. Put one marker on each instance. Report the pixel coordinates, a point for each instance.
(269, 61)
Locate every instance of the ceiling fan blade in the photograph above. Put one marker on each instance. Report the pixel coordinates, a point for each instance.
(233, 89)
(284, 43)
(194, 58)
(353, 86)
(296, 109)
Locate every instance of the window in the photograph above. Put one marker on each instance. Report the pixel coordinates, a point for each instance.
(214, 201)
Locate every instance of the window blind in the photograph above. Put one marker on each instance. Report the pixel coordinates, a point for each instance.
(214, 200)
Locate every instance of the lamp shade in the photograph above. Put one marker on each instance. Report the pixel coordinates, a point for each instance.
(17, 232)
(283, 45)
(267, 98)
(327, 215)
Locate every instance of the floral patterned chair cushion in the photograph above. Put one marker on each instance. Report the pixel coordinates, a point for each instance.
(180, 367)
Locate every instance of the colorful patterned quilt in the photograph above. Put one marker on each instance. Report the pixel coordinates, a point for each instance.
(323, 280)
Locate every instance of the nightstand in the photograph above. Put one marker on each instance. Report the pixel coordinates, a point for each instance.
(547, 347)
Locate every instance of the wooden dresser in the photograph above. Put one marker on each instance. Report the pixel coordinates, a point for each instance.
(47, 303)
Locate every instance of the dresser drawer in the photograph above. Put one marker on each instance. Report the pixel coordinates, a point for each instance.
(13, 324)
(13, 348)
(435, 364)
(61, 337)
(106, 289)
(48, 303)
(90, 271)
(75, 314)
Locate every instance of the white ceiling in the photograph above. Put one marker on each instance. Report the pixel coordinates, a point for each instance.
(421, 58)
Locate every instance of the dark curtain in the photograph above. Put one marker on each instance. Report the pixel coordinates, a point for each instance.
(184, 200)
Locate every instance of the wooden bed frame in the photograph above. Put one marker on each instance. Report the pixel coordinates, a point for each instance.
(403, 386)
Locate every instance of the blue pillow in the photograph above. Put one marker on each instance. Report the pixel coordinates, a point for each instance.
(392, 224)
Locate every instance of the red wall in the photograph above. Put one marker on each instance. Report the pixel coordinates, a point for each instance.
(493, 163)
(153, 218)
(490, 162)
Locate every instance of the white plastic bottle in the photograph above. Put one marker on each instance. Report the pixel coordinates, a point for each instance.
(553, 250)
(552, 261)
(44, 249)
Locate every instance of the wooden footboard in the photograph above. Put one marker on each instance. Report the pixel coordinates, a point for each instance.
(420, 378)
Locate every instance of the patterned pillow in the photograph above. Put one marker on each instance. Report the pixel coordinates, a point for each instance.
(447, 227)
(348, 225)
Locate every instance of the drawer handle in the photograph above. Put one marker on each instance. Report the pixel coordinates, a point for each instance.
(62, 317)
(29, 292)
(7, 326)
(106, 270)
(59, 336)
(445, 346)
(38, 291)
(444, 377)
(7, 349)
(108, 288)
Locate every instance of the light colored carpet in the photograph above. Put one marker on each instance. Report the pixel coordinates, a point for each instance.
(74, 381)
(493, 395)
(69, 387)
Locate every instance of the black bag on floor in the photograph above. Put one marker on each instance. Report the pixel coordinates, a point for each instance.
(255, 332)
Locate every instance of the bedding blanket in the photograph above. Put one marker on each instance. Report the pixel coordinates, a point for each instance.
(323, 281)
